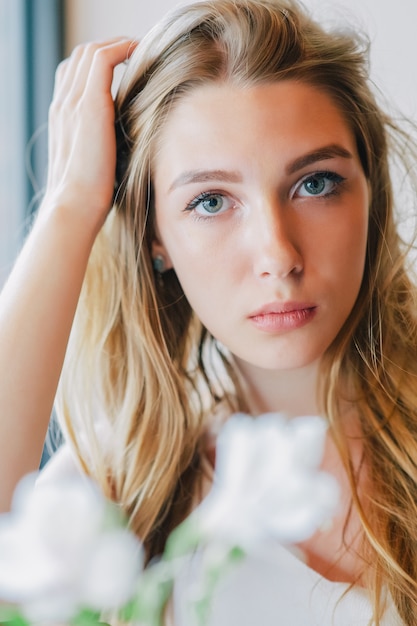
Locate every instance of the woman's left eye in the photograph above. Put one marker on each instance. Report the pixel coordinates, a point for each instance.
(320, 184)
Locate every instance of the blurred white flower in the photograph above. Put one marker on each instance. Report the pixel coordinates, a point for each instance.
(63, 548)
(110, 577)
(267, 481)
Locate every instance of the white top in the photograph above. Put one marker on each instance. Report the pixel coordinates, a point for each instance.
(275, 588)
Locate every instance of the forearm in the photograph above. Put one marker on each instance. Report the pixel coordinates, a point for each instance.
(37, 308)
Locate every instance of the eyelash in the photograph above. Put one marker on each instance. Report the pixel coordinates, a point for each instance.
(330, 176)
(336, 179)
(206, 195)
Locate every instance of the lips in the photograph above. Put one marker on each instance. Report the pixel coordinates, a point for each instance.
(278, 317)
(282, 307)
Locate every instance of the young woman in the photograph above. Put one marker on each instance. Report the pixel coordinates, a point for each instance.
(246, 258)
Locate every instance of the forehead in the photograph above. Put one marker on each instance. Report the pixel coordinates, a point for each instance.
(220, 118)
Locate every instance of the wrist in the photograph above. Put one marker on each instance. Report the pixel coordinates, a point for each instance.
(74, 217)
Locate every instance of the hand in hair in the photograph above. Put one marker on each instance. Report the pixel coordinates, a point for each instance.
(82, 146)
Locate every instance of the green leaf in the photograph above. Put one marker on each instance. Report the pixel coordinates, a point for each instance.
(11, 616)
(236, 554)
(213, 571)
(86, 617)
(126, 613)
(153, 591)
(183, 540)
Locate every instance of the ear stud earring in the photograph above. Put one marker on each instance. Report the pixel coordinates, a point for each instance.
(159, 264)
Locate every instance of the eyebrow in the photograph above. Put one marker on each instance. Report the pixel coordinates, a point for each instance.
(322, 154)
(202, 176)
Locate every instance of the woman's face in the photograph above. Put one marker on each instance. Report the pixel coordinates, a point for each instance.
(262, 209)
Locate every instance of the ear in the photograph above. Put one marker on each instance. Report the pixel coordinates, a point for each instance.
(159, 251)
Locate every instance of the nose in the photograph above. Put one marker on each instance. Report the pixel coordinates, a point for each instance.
(276, 242)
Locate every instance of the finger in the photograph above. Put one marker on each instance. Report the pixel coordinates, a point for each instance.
(60, 74)
(104, 62)
(82, 67)
(65, 73)
(72, 74)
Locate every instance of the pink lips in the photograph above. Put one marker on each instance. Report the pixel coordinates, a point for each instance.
(283, 316)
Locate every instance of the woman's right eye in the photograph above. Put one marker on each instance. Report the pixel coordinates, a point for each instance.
(209, 203)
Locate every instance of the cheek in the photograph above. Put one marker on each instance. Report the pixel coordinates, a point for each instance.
(338, 253)
(357, 238)
(194, 247)
(190, 260)
(350, 254)
(205, 270)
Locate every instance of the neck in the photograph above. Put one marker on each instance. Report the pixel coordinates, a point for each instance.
(293, 392)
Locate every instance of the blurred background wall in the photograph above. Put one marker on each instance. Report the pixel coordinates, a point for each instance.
(390, 25)
(36, 34)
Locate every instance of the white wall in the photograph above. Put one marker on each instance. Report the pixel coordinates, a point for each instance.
(98, 19)
(390, 24)
(391, 27)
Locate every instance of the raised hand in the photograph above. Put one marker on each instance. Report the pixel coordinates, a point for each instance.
(82, 145)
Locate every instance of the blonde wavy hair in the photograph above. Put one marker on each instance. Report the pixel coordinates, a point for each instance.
(142, 376)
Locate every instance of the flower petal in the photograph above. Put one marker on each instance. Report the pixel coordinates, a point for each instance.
(113, 566)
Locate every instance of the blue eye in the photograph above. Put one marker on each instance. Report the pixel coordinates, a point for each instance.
(320, 184)
(212, 203)
(208, 203)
